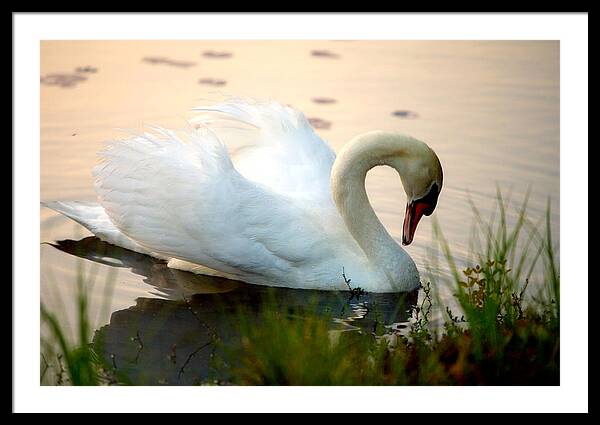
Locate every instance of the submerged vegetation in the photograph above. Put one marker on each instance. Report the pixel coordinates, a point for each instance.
(73, 361)
(503, 329)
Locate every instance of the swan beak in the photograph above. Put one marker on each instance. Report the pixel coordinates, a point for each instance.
(414, 211)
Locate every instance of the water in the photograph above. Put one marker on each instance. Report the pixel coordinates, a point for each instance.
(489, 109)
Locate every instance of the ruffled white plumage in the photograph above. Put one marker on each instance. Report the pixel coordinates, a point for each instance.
(285, 154)
(269, 220)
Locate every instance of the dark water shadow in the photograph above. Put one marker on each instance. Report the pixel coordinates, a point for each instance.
(213, 54)
(319, 123)
(324, 54)
(86, 69)
(68, 80)
(404, 113)
(64, 80)
(216, 82)
(175, 339)
(161, 60)
(324, 100)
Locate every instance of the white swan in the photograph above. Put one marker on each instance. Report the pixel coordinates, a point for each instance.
(287, 214)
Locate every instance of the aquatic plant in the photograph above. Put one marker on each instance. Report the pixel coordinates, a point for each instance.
(74, 360)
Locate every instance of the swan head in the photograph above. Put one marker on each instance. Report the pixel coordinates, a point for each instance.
(422, 178)
(417, 164)
(420, 171)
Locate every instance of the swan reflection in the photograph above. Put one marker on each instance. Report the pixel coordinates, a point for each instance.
(172, 340)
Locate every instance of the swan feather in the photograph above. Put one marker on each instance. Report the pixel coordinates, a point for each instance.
(178, 194)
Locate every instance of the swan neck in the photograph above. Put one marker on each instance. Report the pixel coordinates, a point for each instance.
(348, 188)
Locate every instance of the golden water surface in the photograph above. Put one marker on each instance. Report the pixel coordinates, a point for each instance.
(489, 109)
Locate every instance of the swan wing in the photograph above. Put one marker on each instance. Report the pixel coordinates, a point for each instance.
(278, 148)
(179, 195)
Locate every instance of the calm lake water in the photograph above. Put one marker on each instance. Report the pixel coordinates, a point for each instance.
(489, 109)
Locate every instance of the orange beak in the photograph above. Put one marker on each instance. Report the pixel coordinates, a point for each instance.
(415, 210)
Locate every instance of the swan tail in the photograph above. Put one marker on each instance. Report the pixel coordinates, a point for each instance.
(93, 217)
(87, 214)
